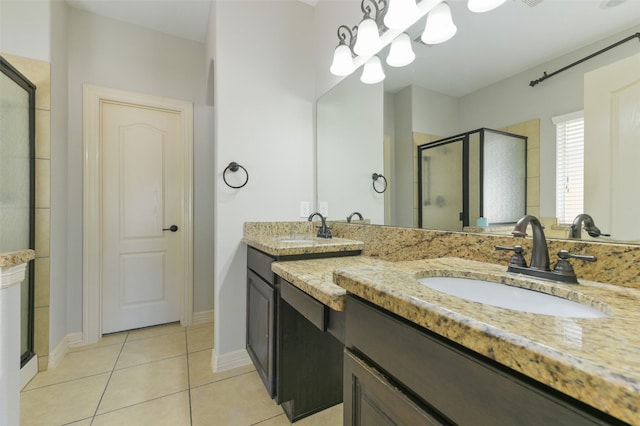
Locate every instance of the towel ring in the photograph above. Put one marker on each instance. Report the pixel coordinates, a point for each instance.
(375, 177)
(233, 167)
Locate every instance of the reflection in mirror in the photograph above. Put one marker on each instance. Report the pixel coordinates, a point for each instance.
(423, 103)
(350, 150)
(441, 185)
(477, 178)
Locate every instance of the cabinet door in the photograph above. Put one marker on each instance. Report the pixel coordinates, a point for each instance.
(371, 400)
(261, 313)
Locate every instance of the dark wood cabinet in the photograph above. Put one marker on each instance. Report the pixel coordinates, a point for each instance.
(309, 360)
(294, 341)
(261, 305)
(261, 317)
(452, 384)
(372, 400)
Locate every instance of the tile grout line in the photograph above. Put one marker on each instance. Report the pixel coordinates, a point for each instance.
(223, 380)
(109, 380)
(186, 343)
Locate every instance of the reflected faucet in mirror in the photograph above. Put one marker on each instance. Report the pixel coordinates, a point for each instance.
(589, 226)
(323, 231)
(351, 216)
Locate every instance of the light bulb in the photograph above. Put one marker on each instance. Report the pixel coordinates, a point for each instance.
(368, 41)
(342, 61)
(440, 26)
(372, 72)
(401, 53)
(400, 14)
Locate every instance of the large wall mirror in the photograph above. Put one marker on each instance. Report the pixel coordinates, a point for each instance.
(481, 79)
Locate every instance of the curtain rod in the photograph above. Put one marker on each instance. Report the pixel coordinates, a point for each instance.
(546, 76)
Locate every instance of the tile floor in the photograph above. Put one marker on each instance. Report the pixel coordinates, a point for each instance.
(153, 376)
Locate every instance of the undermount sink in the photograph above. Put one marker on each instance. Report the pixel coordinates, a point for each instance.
(510, 297)
(295, 240)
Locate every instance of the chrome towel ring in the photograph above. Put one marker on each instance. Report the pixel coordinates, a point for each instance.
(234, 167)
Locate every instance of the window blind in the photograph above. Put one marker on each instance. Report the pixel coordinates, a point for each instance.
(569, 166)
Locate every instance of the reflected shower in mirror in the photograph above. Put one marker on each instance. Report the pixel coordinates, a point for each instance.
(476, 178)
(467, 83)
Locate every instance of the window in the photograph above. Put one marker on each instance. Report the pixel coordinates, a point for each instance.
(569, 166)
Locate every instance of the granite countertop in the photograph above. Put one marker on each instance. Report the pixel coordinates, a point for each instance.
(593, 360)
(299, 244)
(15, 258)
(315, 276)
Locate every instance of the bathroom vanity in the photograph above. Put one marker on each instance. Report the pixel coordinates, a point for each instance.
(294, 340)
(417, 355)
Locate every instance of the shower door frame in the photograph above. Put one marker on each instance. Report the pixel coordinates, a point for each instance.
(7, 69)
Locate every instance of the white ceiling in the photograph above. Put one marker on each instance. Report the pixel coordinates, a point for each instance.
(487, 48)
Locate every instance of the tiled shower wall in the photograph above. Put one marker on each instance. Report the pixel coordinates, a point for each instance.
(38, 72)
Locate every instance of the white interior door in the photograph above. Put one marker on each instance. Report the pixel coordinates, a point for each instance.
(611, 148)
(142, 196)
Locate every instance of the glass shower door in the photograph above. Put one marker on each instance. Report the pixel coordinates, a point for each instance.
(17, 186)
(441, 197)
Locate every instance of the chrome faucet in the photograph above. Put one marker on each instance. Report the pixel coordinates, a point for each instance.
(589, 226)
(539, 266)
(323, 231)
(351, 216)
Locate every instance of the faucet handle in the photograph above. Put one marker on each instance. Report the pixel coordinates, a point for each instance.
(564, 268)
(565, 255)
(517, 259)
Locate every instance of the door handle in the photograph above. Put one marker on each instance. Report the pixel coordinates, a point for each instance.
(172, 228)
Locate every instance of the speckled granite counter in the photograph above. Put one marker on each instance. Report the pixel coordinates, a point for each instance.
(271, 238)
(594, 360)
(315, 276)
(15, 258)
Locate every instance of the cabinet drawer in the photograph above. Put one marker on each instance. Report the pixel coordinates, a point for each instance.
(260, 263)
(309, 307)
(459, 384)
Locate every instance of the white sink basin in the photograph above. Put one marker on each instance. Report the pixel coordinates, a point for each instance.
(295, 240)
(510, 297)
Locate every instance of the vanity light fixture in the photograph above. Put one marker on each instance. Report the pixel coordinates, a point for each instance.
(384, 22)
(368, 41)
(401, 53)
(480, 6)
(342, 63)
(440, 26)
(400, 14)
(372, 72)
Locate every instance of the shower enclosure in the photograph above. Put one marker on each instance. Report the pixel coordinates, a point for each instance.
(17, 184)
(475, 175)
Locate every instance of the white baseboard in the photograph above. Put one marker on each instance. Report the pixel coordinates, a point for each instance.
(229, 360)
(202, 317)
(75, 339)
(56, 355)
(69, 341)
(28, 371)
